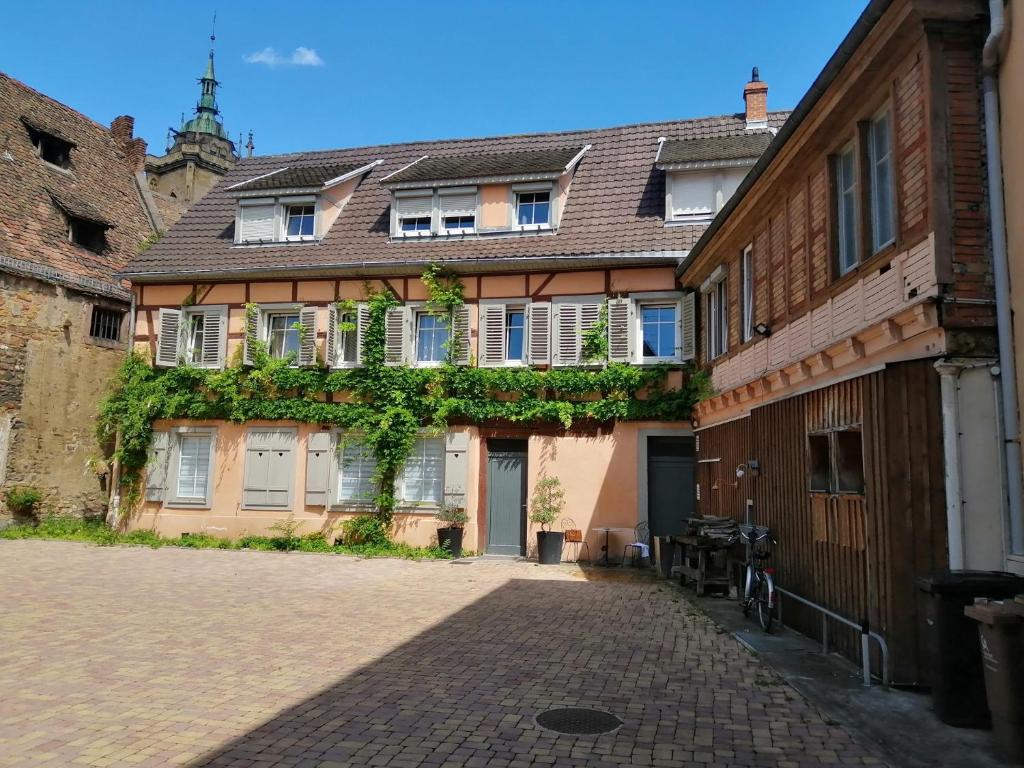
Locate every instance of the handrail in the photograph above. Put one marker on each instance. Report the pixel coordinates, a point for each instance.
(866, 635)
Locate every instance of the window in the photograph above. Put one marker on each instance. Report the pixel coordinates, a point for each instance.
(53, 150)
(880, 157)
(836, 461)
(88, 234)
(356, 469)
(515, 335)
(282, 334)
(458, 210)
(533, 208)
(106, 324)
(300, 221)
(193, 467)
(414, 213)
(348, 338)
(846, 210)
(431, 337)
(718, 318)
(658, 324)
(696, 196)
(423, 475)
(747, 299)
(459, 222)
(416, 224)
(194, 335)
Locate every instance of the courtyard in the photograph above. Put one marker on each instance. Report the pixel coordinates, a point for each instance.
(132, 656)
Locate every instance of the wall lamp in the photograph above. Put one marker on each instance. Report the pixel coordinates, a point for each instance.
(762, 330)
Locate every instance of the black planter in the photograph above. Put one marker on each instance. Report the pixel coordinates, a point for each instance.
(450, 539)
(549, 547)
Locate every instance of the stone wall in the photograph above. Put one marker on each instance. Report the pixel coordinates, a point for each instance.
(52, 377)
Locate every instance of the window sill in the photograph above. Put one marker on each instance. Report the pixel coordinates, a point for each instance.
(186, 505)
(651, 361)
(702, 222)
(517, 231)
(105, 343)
(275, 243)
(345, 366)
(264, 508)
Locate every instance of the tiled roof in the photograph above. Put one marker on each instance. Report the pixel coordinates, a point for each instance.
(616, 205)
(98, 185)
(486, 165)
(293, 177)
(742, 147)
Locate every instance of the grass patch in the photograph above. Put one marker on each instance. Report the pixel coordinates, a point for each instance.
(96, 532)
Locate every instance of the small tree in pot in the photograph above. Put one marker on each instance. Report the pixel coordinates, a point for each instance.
(450, 536)
(545, 508)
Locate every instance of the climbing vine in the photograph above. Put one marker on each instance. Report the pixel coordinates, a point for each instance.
(385, 405)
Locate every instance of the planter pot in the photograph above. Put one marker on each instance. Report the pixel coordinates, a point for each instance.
(450, 539)
(549, 547)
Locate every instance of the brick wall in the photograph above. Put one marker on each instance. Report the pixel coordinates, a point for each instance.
(51, 381)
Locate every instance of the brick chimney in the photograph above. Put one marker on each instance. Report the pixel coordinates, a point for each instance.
(755, 96)
(121, 130)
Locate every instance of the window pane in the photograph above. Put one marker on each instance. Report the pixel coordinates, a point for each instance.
(881, 183)
(431, 336)
(659, 330)
(540, 213)
(423, 476)
(283, 335)
(194, 352)
(849, 461)
(515, 323)
(416, 224)
(820, 465)
(356, 468)
(347, 340)
(193, 466)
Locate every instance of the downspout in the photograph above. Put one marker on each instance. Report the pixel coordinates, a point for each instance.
(949, 375)
(1001, 276)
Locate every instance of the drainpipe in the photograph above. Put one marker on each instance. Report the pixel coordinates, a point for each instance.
(949, 375)
(1001, 276)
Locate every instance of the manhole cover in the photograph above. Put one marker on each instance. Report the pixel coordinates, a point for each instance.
(578, 721)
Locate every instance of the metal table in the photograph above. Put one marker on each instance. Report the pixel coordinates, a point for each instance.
(605, 561)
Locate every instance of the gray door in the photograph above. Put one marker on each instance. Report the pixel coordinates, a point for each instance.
(506, 497)
(671, 490)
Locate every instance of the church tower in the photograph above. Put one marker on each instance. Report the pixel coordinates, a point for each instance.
(198, 155)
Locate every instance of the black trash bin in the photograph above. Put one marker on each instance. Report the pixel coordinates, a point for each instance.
(957, 678)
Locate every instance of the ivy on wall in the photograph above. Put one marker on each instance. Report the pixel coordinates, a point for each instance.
(386, 405)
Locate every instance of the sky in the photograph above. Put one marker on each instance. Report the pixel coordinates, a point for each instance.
(315, 76)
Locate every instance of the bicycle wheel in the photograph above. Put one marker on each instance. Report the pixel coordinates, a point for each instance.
(764, 605)
(747, 590)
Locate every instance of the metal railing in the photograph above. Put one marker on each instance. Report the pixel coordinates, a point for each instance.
(866, 635)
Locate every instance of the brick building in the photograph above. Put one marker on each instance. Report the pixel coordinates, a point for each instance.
(73, 214)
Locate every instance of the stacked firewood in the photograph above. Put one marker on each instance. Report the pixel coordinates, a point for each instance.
(715, 531)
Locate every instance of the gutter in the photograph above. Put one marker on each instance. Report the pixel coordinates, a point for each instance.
(863, 26)
(1001, 277)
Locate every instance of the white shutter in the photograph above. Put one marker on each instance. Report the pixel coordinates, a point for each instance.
(463, 204)
(156, 466)
(332, 338)
(539, 328)
(456, 468)
(269, 465)
(620, 330)
(168, 338)
(490, 342)
(414, 206)
(566, 335)
(214, 336)
(693, 193)
(688, 326)
(253, 325)
(396, 341)
(257, 223)
(460, 336)
(362, 324)
(307, 337)
(318, 469)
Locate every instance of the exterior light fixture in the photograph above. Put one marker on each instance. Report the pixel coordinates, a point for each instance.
(762, 329)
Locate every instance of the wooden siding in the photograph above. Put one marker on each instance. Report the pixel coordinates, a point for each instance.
(857, 554)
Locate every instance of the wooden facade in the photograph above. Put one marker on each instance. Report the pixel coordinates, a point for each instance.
(857, 554)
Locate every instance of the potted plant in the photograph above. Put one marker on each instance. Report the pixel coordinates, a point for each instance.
(450, 536)
(545, 508)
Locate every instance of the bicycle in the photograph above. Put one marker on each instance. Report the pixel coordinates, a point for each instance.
(759, 581)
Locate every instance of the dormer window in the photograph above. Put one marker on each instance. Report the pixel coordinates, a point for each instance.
(457, 211)
(275, 220)
(414, 213)
(533, 208)
(300, 220)
(52, 149)
(89, 234)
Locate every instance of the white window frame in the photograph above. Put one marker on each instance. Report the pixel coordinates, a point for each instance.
(339, 340)
(656, 299)
(846, 262)
(339, 438)
(716, 302)
(401, 480)
(747, 293)
(266, 312)
(280, 227)
(416, 311)
(184, 337)
(172, 499)
(883, 117)
(507, 305)
(530, 189)
(439, 204)
(286, 205)
(518, 308)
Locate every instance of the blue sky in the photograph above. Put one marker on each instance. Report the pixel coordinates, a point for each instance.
(312, 76)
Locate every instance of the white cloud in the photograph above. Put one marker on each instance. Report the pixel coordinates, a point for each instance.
(300, 57)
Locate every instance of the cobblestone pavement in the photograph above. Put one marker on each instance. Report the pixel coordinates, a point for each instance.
(130, 656)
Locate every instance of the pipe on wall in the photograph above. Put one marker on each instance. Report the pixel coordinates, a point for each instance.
(949, 374)
(1001, 278)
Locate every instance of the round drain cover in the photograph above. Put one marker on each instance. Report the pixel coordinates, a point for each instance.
(578, 721)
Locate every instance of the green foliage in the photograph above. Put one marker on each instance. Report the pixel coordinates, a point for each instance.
(452, 515)
(96, 532)
(388, 405)
(23, 499)
(594, 340)
(548, 501)
(364, 529)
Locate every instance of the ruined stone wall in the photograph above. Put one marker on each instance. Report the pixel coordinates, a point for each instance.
(52, 378)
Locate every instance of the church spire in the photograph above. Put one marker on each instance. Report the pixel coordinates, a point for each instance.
(207, 118)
